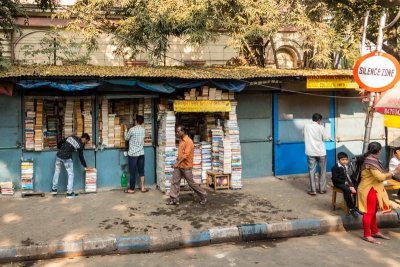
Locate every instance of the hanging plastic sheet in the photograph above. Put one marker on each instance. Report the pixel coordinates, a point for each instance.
(172, 86)
(67, 86)
(155, 87)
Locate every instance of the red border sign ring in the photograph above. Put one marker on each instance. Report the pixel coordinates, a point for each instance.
(376, 71)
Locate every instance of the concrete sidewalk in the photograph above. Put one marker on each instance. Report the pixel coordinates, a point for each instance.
(114, 222)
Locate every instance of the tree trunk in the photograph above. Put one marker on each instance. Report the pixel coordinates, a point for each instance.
(274, 51)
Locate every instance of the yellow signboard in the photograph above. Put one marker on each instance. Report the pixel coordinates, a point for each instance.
(331, 83)
(202, 106)
(392, 121)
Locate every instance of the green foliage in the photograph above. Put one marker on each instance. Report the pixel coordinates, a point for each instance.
(56, 47)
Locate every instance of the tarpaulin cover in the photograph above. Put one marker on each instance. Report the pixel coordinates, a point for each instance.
(67, 86)
(172, 86)
(155, 87)
(167, 87)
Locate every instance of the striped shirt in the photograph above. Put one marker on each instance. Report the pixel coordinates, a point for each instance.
(135, 136)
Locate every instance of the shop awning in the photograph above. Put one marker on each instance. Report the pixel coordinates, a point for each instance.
(179, 84)
(67, 86)
(166, 87)
(155, 87)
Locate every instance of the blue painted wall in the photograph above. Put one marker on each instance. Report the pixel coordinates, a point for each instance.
(254, 112)
(111, 163)
(10, 153)
(289, 121)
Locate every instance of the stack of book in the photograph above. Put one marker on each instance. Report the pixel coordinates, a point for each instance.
(212, 94)
(69, 118)
(27, 176)
(88, 120)
(197, 168)
(30, 125)
(39, 126)
(104, 122)
(78, 118)
(90, 180)
(232, 130)
(7, 188)
(147, 121)
(166, 151)
(210, 124)
(203, 93)
(117, 132)
(111, 131)
(218, 94)
(205, 160)
(225, 156)
(217, 136)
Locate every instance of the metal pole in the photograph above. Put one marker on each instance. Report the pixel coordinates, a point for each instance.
(371, 109)
(364, 37)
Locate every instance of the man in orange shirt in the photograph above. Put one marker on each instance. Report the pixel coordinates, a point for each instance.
(183, 167)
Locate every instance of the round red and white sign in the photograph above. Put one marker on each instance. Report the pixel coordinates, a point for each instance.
(376, 71)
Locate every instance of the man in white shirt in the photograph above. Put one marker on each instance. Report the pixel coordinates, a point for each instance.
(394, 162)
(314, 136)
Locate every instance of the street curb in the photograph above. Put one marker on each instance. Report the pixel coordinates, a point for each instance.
(181, 239)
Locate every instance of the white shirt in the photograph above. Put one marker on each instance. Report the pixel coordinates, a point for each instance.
(314, 135)
(393, 163)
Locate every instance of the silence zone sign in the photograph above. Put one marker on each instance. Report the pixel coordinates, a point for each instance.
(376, 71)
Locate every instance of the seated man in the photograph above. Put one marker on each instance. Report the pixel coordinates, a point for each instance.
(394, 162)
(342, 180)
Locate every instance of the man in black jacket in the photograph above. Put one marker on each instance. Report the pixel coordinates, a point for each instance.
(64, 156)
(341, 178)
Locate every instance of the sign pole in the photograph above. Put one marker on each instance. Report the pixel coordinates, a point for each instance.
(371, 109)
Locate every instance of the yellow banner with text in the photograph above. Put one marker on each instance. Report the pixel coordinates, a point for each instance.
(331, 83)
(202, 106)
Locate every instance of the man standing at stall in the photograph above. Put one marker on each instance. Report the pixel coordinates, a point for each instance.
(135, 136)
(64, 157)
(183, 167)
(314, 136)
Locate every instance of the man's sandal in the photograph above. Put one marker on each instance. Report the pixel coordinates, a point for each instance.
(172, 202)
(145, 190)
(128, 191)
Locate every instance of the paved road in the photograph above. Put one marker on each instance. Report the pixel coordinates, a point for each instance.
(334, 249)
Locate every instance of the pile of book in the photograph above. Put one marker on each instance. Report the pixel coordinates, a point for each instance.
(88, 120)
(104, 122)
(206, 93)
(39, 126)
(225, 156)
(232, 130)
(166, 151)
(111, 130)
(217, 136)
(147, 121)
(205, 160)
(78, 118)
(197, 167)
(29, 125)
(69, 118)
(117, 132)
(7, 188)
(27, 176)
(90, 180)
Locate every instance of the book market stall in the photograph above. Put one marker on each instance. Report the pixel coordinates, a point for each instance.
(210, 117)
(47, 121)
(117, 113)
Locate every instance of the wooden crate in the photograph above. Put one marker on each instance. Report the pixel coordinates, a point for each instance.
(214, 177)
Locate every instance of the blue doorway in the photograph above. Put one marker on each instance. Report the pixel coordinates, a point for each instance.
(291, 113)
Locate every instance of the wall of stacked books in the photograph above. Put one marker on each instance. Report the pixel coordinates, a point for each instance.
(48, 120)
(116, 115)
(210, 116)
